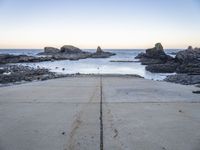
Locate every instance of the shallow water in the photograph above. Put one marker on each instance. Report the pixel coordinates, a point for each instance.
(96, 66)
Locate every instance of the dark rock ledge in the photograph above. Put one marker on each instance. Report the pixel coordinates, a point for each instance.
(186, 64)
(10, 73)
(69, 52)
(17, 73)
(66, 52)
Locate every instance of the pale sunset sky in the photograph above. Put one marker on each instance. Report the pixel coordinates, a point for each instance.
(108, 23)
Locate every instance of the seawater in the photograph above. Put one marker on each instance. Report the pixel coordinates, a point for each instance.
(97, 65)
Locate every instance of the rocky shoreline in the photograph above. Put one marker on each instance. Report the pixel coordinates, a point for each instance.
(66, 52)
(18, 73)
(10, 73)
(186, 64)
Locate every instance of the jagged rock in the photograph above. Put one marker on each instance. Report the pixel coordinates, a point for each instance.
(187, 56)
(70, 49)
(157, 52)
(51, 50)
(154, 55)
(101, 54)
(189, 60)
(99, 50)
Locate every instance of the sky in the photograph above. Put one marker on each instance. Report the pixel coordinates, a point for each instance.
(107, 23)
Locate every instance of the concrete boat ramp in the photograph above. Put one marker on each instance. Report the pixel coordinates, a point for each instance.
(99, 113)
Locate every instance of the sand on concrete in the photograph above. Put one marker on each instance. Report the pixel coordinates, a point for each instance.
(63, 114)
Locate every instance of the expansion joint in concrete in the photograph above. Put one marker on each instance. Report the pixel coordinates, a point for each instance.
(101, 115)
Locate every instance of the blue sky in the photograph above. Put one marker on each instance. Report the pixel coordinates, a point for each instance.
(108, 23)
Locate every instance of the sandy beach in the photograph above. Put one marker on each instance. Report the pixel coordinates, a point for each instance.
(94, 112)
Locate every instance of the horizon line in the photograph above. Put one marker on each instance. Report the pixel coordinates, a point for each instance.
(89, 48)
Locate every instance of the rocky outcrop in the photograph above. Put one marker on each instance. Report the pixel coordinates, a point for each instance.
(157, 60)
(186, 63)
(189, 60)
(66, 49)
(169, 67)
(154, 55)
(69, 49)
(13, 73)
(99, 50)
(69, 52)
(189, 67)
(101, 54)
(7, 58)
(51, 50)
(18, 73)
(66, 52)
(157, 52)
(189, 55)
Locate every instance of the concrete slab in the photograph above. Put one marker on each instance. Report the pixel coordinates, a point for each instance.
(64, 114)
(116, 89)
(58, 90)
(151, 126)
(147, 115)
(50, 115)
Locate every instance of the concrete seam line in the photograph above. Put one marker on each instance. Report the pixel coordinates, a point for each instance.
(101, 115)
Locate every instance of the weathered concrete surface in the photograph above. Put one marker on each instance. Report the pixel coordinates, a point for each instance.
(139, 90)
(63, 114)
(52, 115)
(147, 115)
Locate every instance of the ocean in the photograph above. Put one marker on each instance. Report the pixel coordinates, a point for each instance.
(97, 65)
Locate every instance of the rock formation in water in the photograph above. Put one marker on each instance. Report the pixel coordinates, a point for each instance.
(155, 55)
(186, 63)
(101, 54)
(69, 49)
(8, 58)
(66, 52)
(51, 50)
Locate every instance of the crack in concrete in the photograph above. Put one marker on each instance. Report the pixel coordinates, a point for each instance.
(101, 115)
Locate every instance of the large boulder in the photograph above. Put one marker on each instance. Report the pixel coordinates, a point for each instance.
(51, 50)
(189, 55)
(70, 49)
(155, 55)
(157, 52)
(189, 60)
